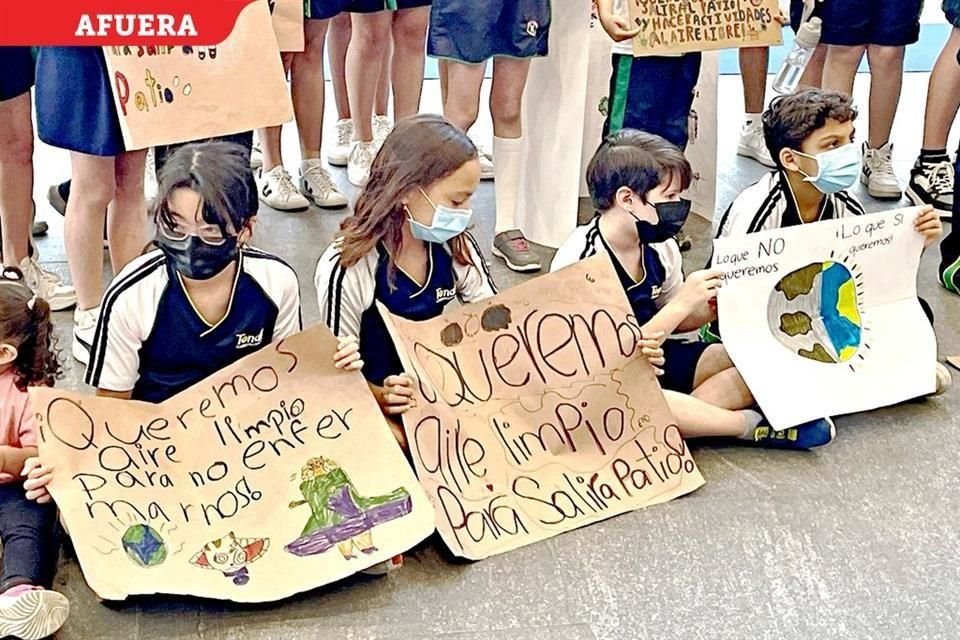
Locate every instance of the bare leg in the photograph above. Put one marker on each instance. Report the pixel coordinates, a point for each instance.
(382, 100)
(698, 419)
(506, 96)
(364, 63)
(409, 39)
(442, 69)
(813, 74)
(16, 177)
(92, 190)
(943, 95)
(717, 381)
(339, 40)
(462, 104)
(840, 68)
(307, 89)
(127, 213)
(886, 79)
(270, 137)
(753, 70)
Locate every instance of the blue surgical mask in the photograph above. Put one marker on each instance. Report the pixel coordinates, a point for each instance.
(837, 169)
(447, 223)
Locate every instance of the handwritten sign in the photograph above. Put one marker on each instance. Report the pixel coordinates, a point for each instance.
(166, 95)
(823, 319)
(288, 23)
(274, 476)
(536, 413)
(681, 26)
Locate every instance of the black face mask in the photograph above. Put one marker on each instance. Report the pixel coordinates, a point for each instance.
(672, 215)
(195, 259)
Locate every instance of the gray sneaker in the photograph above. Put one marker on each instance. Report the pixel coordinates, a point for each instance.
(512, 247)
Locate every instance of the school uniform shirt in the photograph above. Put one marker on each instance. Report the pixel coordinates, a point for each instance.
(662, 268)
(17, 426)
(151, 339)
(347, 295)
(770, 204)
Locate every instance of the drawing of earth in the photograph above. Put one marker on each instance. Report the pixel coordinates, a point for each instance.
(814, 311)
(144, 546)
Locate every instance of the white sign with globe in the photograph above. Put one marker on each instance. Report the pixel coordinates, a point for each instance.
(823, 319)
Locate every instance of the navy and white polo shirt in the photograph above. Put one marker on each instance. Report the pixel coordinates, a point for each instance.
(150, 338)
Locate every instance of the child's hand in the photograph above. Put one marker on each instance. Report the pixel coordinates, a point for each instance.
(347, 356)
(652, 349)
(397, 395)
(700, 287)
(618, 27)
(928, 223)
(781, 18)
(38, 477)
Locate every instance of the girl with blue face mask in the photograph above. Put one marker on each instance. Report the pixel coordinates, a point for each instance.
(407, 246)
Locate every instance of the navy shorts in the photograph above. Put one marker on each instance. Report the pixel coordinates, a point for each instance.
(951, 9)
(75, 107)
(890, 23)
(474, 31)
(16, 72)
(682, 357)
(373, 6)
(639, 99)
(324, 9)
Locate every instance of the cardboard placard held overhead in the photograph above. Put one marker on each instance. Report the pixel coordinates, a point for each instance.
(682, 26)
(166, 95)
(288, 23)
(272, 477)
(823, 319)
(536, 414)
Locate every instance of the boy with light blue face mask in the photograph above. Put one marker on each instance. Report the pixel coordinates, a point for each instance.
(810, 135)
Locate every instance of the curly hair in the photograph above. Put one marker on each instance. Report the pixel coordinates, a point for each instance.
(790, 119)
(25, 324)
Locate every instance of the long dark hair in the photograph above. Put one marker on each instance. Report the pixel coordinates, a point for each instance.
(25, 324)
(418, 152)
(219, 172)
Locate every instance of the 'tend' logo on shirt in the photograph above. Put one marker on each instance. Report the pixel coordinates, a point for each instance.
(445, 295)
(245, 341)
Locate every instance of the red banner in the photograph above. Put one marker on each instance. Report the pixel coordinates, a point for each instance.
(118, 22)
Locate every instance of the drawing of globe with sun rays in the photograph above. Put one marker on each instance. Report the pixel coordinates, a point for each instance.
(815, 312)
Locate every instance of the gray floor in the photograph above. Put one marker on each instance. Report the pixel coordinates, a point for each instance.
(856, 541)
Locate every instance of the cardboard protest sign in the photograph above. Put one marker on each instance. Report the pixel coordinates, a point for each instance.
(823, 319)
(288, 23)
(166, 95)
(274, 476)
(681, 26)
(536, 414)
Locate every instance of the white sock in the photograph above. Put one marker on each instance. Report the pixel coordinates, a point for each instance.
(506, 169)
(750, 118)
(752, 420)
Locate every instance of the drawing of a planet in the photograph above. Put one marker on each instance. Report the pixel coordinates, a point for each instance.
(815, 312)
(144, 546)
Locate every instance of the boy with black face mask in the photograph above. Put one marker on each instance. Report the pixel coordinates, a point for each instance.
(635, 181)
(203, 299)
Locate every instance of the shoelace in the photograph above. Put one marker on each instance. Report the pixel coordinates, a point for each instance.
(365, 154)
(941, 178)
(344, 134)
(883, 163)
(320, 178)
(285, 185)
(381, 127)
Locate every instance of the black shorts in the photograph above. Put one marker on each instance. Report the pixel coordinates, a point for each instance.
(16, 72)
(890, 23)
(373, 6)
(682, 357)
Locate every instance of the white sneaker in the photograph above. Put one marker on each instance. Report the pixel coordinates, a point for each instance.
(32, 613)
(338, 154)
(944, 379)
(486, 161)
(318, 187)
(752, 144)
(359, 163)
(877, 173)
(47, 285)
(382, 126)
(278, 191)
(84, 329)
(256, 155)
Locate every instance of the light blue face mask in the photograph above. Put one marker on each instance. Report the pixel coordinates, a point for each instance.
(447, 223)
(837, 169)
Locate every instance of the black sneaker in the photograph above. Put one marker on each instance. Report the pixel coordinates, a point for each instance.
(932, 184)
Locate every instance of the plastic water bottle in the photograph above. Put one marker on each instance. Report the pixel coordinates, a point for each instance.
(808, 37)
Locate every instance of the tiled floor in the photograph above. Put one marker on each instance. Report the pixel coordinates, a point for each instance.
(855, 541)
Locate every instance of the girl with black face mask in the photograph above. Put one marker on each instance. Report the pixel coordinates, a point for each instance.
(204, 298)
